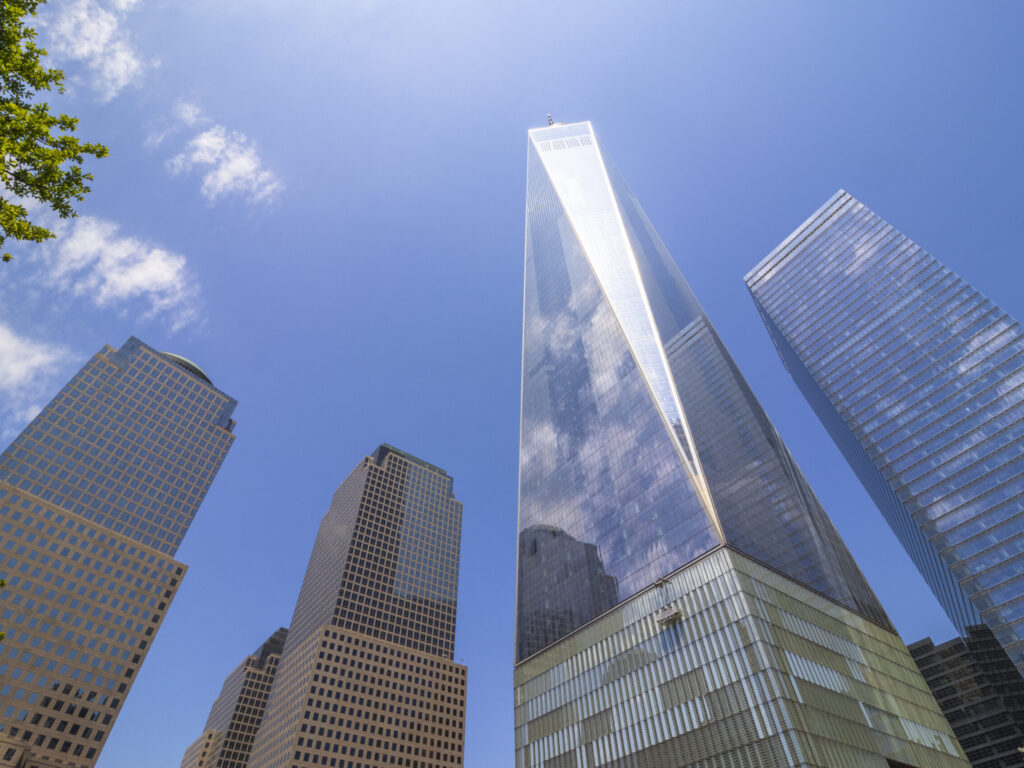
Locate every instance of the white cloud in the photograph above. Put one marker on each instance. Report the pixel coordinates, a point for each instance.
(27, 369)
(233, 166)
(91, 260)
(85, 31)
(183, 114)
(22, 361)
(188, 113)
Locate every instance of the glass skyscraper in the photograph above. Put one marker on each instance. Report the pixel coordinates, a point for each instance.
(367, 675)
(919, 379)
(682, 597)
(974, 682)
(95, 496)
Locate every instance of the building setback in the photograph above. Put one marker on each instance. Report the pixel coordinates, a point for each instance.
(919, 379)
(682, 597)
(95, 496)
(975, 683)
(367, 676)
(236, 715)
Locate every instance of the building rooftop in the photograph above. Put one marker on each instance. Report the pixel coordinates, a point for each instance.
(188, 365)
(384, 449)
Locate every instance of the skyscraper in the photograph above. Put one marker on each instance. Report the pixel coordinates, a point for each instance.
(95, 496)
(974, 682)
(682, 597)
(919, 379)
(236, 715)
(367, 675)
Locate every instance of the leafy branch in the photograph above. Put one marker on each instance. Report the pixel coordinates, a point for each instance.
(40, 158)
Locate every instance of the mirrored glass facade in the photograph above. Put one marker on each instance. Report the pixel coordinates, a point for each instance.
(641, 447)
(95, 496)
(920, 381)
(367, 675)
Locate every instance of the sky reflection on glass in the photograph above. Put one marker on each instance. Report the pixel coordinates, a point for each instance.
(641, 445)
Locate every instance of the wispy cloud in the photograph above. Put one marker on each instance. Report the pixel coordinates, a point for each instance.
(184, 114)
(27, 369)
(91, 260)
(229, 160)
(86, 31)
(231, 165)
(188, 113)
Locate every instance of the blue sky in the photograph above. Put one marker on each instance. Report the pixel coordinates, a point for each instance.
(322, 204)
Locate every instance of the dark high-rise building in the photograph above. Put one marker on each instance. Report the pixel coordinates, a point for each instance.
(367, 675)
(919, 379)
(980, 693)
(682, 597)
(95, 496)
(236, 715)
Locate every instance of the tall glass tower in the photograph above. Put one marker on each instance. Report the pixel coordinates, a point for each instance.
(682, 597)
(919, 379)
(96, 494)
(367, 675)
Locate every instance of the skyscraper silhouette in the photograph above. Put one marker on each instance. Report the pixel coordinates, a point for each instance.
(367, 675)
(919, 379)
(95, 496)
(703, 609)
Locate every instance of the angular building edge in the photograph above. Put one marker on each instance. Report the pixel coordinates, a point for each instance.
(111, 473)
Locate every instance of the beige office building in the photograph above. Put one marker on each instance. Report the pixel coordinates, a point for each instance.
(367, 677)
(236, 715)
(95, 497)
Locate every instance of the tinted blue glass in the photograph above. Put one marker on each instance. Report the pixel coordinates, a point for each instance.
(763, 502)
(920, 380)
(132, 442)
(606, 505)
(766, 506)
